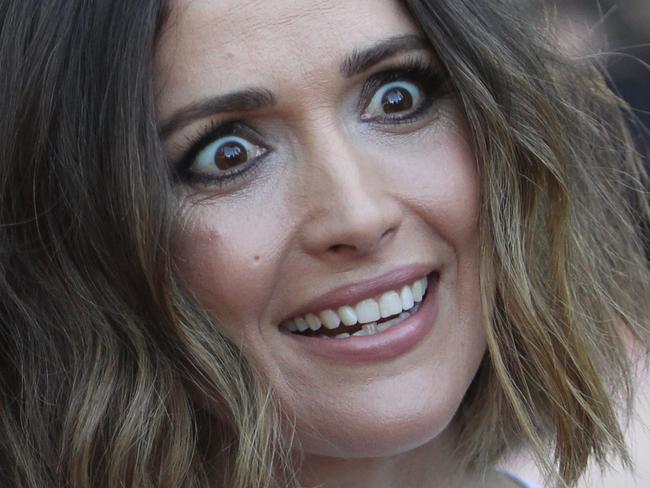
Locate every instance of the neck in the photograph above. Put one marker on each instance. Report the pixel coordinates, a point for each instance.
(429, 466)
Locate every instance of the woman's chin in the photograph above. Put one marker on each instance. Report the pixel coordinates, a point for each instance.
(371, 439)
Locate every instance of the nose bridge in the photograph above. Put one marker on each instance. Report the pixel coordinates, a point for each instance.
(348, 206)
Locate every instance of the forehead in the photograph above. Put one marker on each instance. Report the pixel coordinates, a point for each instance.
(210, 46)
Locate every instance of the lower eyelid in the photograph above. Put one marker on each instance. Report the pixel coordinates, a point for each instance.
(434, 117)
(432, 83)
(240, 140)
(419, 113)
(384, 90)
(207, 135)
(229, 180)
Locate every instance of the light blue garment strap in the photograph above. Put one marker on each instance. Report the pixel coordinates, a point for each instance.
(516, 478)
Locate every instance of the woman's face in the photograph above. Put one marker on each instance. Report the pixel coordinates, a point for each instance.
(325, 171)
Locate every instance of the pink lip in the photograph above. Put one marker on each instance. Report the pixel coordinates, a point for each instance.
(351, 294)
(388, 344)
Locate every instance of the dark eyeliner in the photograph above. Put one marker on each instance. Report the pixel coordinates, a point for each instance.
(431, 79)
(206, 136)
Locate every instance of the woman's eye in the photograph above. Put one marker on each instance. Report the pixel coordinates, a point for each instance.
(221, 155)
(394, 100)
(225, 155)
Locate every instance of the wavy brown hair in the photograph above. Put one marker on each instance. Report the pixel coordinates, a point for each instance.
(102, 351)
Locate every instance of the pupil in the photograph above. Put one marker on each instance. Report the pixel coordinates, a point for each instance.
(231, 154)
(397, 100)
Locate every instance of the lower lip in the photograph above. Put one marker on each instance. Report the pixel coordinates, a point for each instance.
(388, 344)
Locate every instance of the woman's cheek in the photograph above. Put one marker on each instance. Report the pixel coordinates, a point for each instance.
(228, 257)
(434, 171)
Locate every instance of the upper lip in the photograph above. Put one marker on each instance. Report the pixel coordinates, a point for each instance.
(354, 293)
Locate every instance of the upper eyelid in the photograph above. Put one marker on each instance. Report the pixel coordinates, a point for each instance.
(211, 133)
(361, 61)
(410, 64)
(246, 100)
(251, 99)
(255, 99)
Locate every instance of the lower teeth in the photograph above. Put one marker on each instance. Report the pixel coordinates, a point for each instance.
(375, 328)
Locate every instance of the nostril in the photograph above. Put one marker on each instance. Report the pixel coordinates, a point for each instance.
(388, 232)
(337, 248)
(340, 248)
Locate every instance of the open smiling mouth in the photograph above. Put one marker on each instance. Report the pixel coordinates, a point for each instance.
(365, 318)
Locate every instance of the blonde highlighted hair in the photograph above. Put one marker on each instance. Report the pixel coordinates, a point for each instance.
(103, 352)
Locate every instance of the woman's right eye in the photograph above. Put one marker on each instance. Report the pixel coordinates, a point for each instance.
(222, 154)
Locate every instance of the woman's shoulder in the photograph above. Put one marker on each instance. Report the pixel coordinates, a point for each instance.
(518, 479)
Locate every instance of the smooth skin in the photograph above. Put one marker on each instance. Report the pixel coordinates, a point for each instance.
(336, 199)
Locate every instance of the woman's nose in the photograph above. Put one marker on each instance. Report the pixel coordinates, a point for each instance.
(349, 209)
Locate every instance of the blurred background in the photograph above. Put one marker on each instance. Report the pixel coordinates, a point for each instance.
(619, 30)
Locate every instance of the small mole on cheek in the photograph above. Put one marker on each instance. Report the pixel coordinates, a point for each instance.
(256, 258)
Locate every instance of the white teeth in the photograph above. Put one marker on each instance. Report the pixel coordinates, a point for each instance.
(348, 315)
(367, 311)
(290, 325)
(385, 325)
(370, 329)
(313, 321)
(389, 304)
(301, 323)
(406, 295)
(375, 328)
(330, 319)
(418, 290)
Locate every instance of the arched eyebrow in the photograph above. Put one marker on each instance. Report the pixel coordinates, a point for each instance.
(246, 100)
(252, 99)
(359, 61)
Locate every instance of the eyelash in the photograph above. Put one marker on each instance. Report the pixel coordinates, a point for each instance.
(432, 80)
(204, 137)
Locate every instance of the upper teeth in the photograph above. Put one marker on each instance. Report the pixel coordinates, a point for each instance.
(366, 311)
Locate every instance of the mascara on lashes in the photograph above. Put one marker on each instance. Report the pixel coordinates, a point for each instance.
(429, 78)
